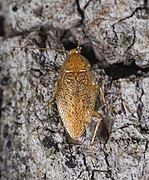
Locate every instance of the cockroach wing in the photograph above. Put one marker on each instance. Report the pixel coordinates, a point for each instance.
(76, 98)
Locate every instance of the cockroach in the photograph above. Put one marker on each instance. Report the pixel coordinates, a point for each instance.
(75, 93)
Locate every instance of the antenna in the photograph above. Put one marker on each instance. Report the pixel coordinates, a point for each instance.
(87, 29)
(43, 49)
(60, 50)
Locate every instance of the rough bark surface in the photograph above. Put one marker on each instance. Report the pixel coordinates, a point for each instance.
(33, 141)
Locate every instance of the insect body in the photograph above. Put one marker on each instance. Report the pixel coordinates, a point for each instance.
(75, 93)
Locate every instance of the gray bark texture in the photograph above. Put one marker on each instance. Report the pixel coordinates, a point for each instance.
(33, 141)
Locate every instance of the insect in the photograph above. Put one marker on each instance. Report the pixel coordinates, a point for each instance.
(75, 93)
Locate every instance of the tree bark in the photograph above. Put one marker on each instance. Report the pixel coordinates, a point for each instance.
(34, 144)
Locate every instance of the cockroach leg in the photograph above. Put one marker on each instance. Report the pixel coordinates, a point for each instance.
(98, 115)
(101, 95)
(53, 96)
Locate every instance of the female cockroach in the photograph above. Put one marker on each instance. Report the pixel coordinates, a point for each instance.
(75, 94)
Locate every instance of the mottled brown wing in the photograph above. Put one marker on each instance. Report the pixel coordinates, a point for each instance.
(76, 101)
